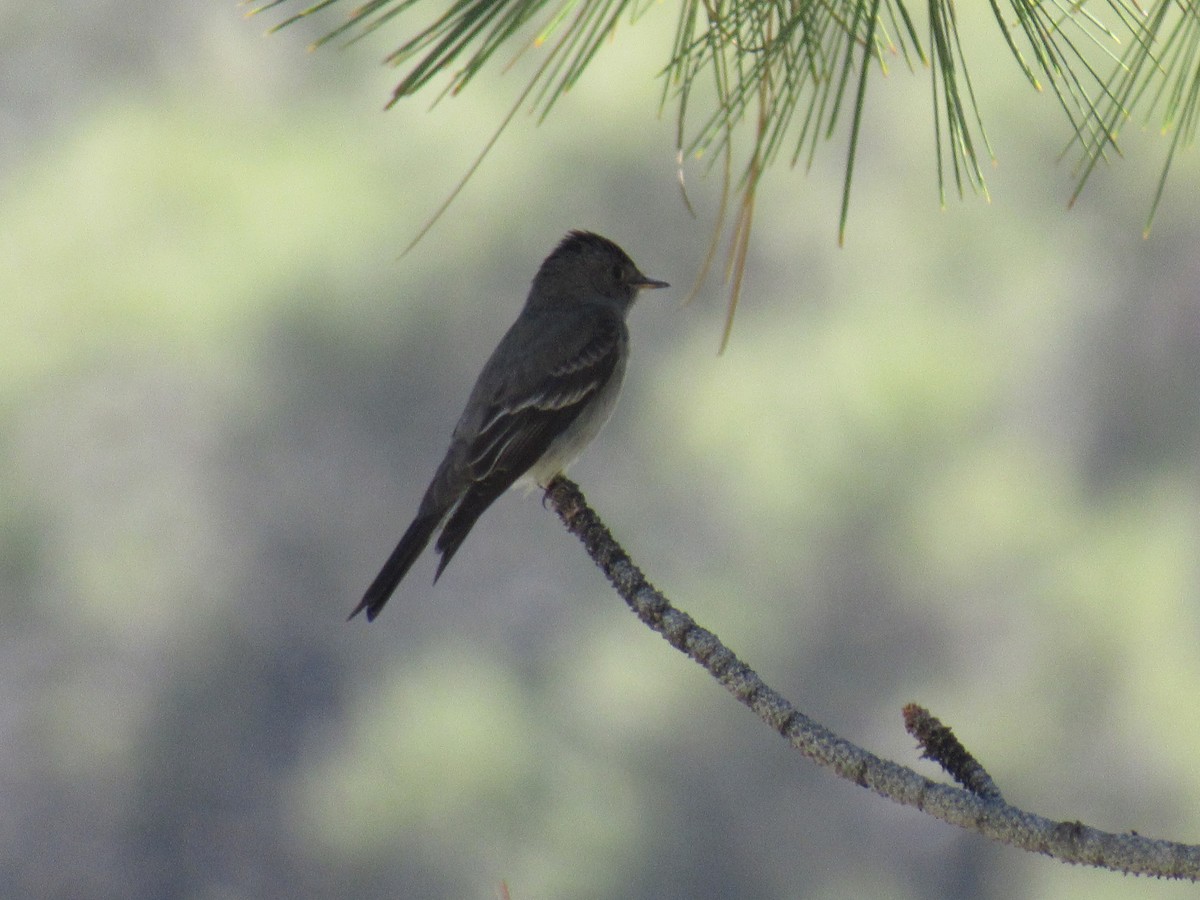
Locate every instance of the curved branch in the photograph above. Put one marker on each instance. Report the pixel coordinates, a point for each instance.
(988, 815)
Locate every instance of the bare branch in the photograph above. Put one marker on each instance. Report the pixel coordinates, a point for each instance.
(1071, 842)
(941, 746)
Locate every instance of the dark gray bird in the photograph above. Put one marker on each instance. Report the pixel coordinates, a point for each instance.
(548, 388)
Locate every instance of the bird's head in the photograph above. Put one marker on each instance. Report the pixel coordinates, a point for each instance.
(588, 267)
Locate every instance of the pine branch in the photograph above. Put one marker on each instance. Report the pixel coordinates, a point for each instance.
(788, 74)
(980, 808)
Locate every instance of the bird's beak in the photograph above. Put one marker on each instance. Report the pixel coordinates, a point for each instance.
(641, 281)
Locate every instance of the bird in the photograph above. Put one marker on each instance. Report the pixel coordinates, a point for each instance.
(545, 392)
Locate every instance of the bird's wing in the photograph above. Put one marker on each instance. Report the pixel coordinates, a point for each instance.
(546, 393)
(543, 393)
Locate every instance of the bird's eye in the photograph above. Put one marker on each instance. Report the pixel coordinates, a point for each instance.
(618, 272)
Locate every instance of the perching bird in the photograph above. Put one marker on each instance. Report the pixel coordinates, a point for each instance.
(548, 388)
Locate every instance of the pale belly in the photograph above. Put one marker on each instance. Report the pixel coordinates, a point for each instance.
(565, 449)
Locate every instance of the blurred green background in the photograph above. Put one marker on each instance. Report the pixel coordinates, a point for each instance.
(954, 462)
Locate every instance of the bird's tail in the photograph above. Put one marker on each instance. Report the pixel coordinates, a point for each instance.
(466, 514)
(398, 564)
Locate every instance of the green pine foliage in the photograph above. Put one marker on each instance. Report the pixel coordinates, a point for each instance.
(754, 82)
